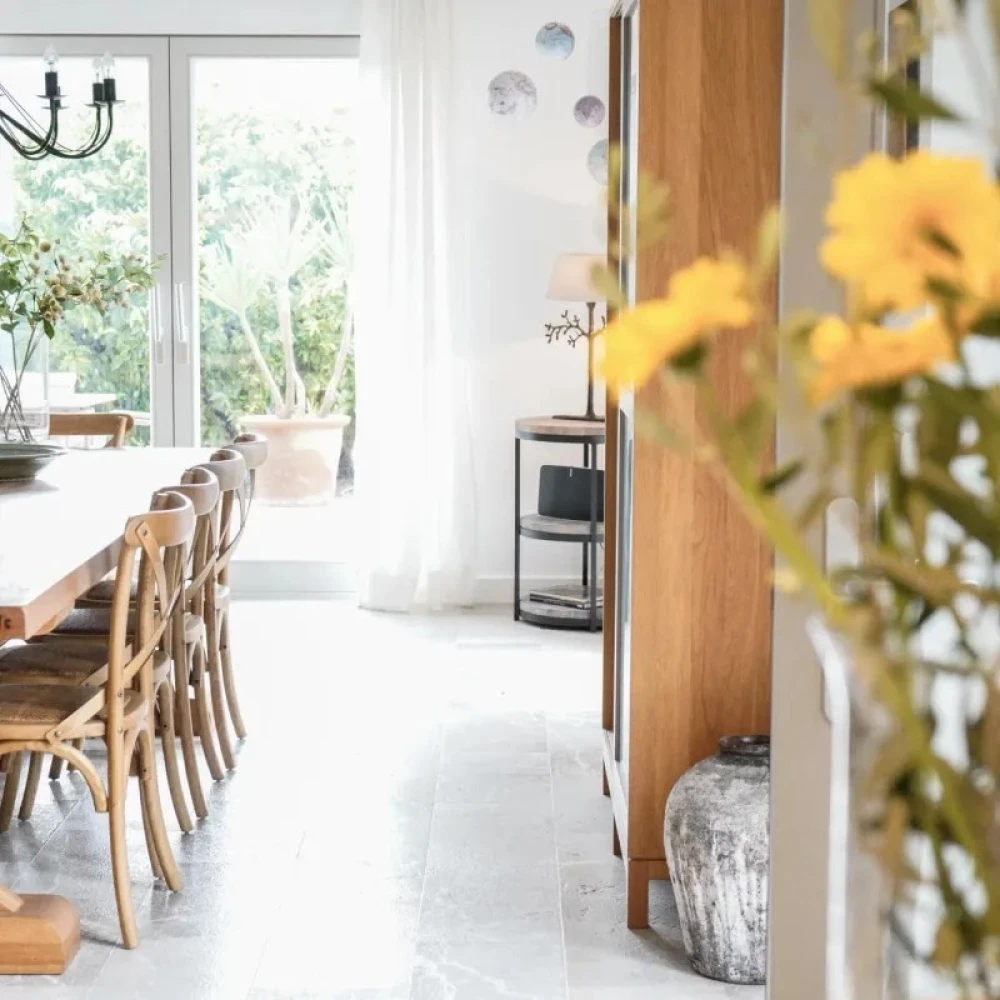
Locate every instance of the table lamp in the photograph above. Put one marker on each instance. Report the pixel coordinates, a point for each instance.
(572, 281)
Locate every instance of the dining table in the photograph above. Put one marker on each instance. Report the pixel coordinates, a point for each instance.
(59, 535)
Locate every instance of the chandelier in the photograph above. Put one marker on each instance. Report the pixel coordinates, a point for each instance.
(32, 141)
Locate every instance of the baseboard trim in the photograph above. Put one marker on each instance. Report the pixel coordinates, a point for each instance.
(251, 579)
(265, 579)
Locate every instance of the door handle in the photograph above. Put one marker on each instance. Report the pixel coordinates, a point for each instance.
(156, 323)
(181, 325)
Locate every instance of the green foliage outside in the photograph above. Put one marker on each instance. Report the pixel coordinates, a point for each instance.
(245, 163)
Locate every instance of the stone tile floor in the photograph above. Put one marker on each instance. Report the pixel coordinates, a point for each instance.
(416, 814)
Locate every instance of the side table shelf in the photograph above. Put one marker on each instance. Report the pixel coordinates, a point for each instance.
(558, 529)
(588, 534)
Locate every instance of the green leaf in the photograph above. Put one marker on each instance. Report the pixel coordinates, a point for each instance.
(769, 235)
(755, 426)
(781, 476)
(815, 508)
(987, 324)
(977, 518)
(877, 454)
(690, 362)
(909, 101)
(828, 20)
(938, 239)
(945, 290)
(50, 330)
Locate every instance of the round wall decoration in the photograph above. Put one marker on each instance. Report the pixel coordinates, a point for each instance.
(597, 162)
(512, 94)
(556, 40)
(589, 111)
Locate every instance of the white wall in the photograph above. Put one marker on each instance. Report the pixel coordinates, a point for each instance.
(532, 198)
(181, 17)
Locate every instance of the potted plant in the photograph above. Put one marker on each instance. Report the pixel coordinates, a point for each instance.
(305, 435)
(39, 283)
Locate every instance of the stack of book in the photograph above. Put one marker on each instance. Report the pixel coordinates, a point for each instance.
(568, 595)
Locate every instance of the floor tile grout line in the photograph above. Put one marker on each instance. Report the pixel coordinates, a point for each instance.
(48, 840)
(558, 862)
(430, 839)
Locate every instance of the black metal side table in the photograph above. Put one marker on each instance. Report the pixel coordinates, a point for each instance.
(590, 434)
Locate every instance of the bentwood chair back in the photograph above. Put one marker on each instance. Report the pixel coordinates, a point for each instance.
(230, 469)
(52, 717)
(116, 427)
(253, 448)
(189, 636)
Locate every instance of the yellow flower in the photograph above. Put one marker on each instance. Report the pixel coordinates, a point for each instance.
(709, 296)
(872, 355)
(886, 215)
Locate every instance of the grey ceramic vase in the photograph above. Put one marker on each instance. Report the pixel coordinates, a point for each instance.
(716, 835)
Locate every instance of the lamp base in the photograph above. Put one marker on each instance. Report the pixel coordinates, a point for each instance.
(591, 418)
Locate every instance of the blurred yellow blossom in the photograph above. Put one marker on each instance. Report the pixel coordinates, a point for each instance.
(870, 355)
(709, 296)
(896, 224)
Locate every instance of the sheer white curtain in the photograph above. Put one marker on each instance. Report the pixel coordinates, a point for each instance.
(415, 483)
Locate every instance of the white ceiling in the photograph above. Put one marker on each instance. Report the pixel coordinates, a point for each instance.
(182, 17)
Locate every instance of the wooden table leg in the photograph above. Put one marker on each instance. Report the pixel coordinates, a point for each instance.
(39, 935)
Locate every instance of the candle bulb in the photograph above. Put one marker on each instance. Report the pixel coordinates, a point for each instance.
(98, 85)
(51, 59)
(110, 87)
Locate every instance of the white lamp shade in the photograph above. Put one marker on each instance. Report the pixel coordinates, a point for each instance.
(572, 278)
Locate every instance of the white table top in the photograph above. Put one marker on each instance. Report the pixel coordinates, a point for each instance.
(60, 534)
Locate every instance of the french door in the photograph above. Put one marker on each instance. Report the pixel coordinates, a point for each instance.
(119, 200)
(225, 154)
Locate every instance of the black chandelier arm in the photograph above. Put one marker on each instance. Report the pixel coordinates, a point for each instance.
(28, 125)
(40, 144)
(50, 146)
(94, 144)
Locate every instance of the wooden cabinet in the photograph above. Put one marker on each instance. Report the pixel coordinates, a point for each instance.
(696, 102)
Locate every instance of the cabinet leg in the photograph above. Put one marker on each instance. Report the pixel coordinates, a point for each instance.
(636, 895)
(517, 529)
(616, 844)
(605, 785)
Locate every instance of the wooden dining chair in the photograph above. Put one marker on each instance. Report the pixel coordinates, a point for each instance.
(230, 468)
(116, 427)
(200, 657)
(189, 636)
(253, 448)
(118, 705)
(88, 624)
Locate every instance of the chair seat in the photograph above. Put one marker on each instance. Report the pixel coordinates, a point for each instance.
(67, 660)
(64, 662)
(94, 623)
(33, 705)
(104, 592)
(88, 622)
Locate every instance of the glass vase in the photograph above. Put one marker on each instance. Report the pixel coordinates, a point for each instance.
(24, 386)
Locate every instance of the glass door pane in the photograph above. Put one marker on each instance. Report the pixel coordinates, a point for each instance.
(270, 180)
(100, 203)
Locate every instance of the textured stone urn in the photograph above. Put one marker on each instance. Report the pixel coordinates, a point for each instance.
(716, 835)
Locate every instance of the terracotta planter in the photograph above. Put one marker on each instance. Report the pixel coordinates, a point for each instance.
(302, 458)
